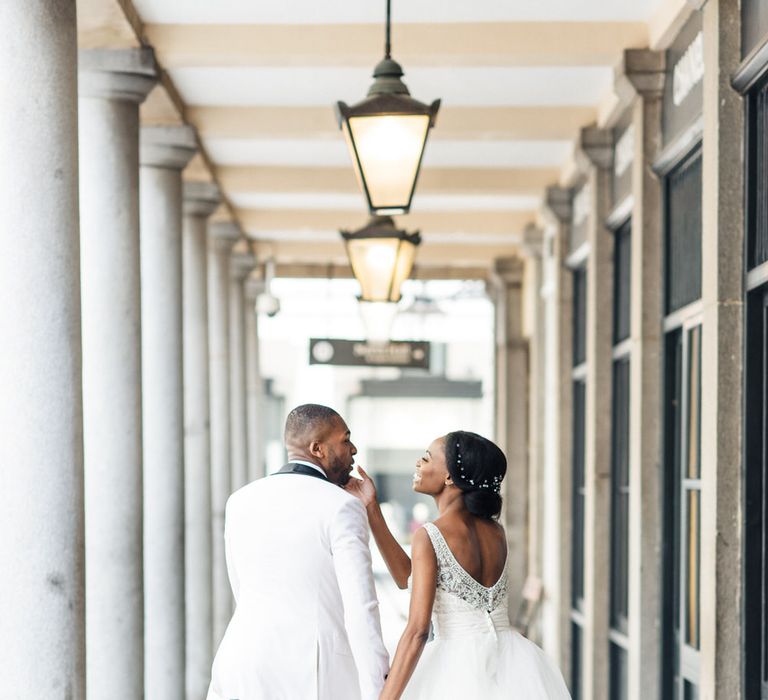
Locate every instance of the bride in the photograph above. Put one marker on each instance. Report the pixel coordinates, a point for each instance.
(459, 581)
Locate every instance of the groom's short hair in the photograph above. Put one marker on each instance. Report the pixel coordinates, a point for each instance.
(307, 422)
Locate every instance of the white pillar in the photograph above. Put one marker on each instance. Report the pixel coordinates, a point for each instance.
(646, 72)
(221, 238)
(512, 416)
(597, 145)
(112, 84)
(253, 382)
(241, 264)
(558, 411)
(164, 152)
(42, 624)
(722, 360)
(538, 433)
(200, 200)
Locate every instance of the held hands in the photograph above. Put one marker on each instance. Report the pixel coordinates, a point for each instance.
(362, 488)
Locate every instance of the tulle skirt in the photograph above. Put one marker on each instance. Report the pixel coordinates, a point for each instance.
(485, 666)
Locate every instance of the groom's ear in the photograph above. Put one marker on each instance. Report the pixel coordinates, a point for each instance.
(316, 449)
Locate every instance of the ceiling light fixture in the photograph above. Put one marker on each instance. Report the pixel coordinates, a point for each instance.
(386, 134)
(382, 257)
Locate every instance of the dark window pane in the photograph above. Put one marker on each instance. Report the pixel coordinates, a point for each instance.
(621, 285)
(620, 497)
(673, 373)
(693, 458)
(690, 691)
(579, 316)
(683, 245)
(756, 497)
(618, 673)
(577, 567)
(575, 662)
(757, 177)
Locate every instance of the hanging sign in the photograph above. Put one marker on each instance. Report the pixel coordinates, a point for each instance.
(359, 353)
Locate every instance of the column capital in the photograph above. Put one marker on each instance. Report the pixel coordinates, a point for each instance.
(241, 262)
(117, 74)
(557, 201)
(645, 70)
(533, 241)
(201, 198)
(509, 271)
(167, 146)
(597, 145)
(222, 235)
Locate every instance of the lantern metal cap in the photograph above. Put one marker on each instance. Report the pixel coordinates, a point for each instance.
(378, 104)
(382, 227)
(387, 79)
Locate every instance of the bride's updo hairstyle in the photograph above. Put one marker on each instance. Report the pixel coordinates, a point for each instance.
(477, 467)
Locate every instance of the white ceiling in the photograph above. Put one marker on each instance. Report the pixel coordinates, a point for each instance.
(459, 87)
(331, 153)
(260, 80)
(373, 11)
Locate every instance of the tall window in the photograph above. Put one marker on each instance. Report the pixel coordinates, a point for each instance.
(619, 596)
(756, 406)
(682, 431)
(578, 464)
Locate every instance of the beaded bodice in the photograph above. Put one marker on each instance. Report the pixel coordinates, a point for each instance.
(457, 591)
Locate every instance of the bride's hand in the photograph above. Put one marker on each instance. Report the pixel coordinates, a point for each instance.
(362, 488)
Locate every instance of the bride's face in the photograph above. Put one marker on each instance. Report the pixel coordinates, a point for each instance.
(431, 471)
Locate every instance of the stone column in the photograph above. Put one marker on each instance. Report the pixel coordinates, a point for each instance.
(557, 293)
(241, 264)
(722, 498)
(535, 312)
(112, 84)
(512, 416)
(221, 237)
(200, 201)
(42, 612)
(253, 382)
(645, 71)
(164, 153)
(596, 147)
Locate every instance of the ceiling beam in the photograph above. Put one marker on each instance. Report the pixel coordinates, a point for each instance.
(438, 44)
(457, 123)
(420, 271)
(502, 181)
(266, 222)
(332, 253)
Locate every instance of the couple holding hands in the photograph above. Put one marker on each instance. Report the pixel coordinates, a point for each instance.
(306, 624)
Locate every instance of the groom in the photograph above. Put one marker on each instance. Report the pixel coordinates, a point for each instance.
(306, 623)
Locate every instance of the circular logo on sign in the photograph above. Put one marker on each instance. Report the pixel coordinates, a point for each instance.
(418, 354)
(322, 351)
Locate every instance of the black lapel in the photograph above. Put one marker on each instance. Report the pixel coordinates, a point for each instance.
(293, 468)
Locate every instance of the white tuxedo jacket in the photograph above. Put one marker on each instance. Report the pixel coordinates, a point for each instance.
(306, 624)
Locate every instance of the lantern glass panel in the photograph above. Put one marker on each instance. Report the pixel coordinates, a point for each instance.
(403, 269)
(388, 149)
(373, 262)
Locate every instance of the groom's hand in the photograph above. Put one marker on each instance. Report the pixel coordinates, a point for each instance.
(362, 488)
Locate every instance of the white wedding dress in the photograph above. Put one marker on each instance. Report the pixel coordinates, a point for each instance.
(475, 653)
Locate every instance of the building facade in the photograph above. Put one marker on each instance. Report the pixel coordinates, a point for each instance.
(648, 437)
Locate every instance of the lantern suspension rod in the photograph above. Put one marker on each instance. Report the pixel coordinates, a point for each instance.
(388, 43)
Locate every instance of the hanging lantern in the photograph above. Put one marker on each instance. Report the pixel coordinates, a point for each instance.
(386, 134)
(382, 257)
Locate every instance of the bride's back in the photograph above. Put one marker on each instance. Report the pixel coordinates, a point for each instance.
(478, 545)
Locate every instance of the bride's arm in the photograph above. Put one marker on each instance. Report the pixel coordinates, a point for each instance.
(411, 644)
(397, 561)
